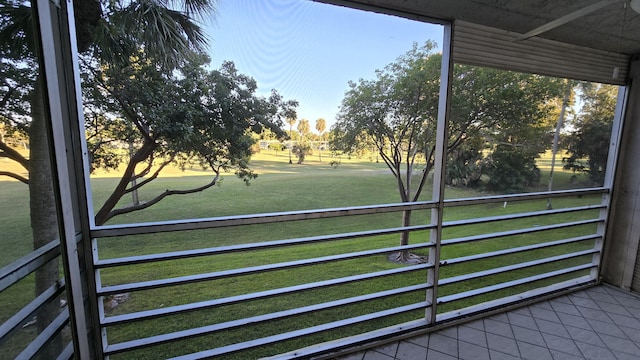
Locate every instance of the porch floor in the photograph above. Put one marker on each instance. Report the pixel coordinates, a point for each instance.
(599, 323)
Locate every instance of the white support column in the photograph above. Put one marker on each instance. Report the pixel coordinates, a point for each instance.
(620, 258)
(609, 177)
(446, 75)
(63, 102)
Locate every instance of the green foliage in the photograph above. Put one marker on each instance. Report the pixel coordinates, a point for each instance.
(491, 106)
(511, 169)
(17, 79)
(502, 106)
(588, 145)
(187, 116)
(395, 113)
(465, 164)
(321, 126)
(18, 71)
(304, 128)
(277, 146)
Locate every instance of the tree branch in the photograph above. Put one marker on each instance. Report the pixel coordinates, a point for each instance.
(10, 153)
(388, 162)
(144, 171)
(143, 153)
(15, 176)
(150, 179)
(427, 168)
(158, 198)
(7, 95)
(126, 110)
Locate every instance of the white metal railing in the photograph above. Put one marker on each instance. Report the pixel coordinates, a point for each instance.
(10, 275)
(569, 262)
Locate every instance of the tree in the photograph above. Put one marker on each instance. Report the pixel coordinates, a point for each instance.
(291, 120)
(465, 163)
(184, 116)
(303, 129)
(301, 150)
(397, 112)
(588, 145)
(490, 108)
(511, 169)
(17, 78)
(568, 92)
(321, 126)
(110, 31)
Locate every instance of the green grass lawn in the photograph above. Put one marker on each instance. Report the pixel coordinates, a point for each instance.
(284, 187)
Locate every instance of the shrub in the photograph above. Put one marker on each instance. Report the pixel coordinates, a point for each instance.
(511, 169)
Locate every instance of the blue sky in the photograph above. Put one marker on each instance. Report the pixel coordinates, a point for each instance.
(309, 51)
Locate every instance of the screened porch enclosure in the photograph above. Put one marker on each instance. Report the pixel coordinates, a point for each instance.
(315, 282)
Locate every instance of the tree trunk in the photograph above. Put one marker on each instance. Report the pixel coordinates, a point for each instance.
(404, 255)
(556, 139)
(134, 194)
(44, 221)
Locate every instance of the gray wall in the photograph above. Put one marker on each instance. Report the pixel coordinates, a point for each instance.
(623, 234)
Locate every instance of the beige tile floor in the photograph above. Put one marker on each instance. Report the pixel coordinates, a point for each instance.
(600, 323)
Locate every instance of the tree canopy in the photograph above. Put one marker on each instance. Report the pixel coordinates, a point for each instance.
(109, 34)
(504, 113)
(186, 116)
(588, 145)
(396, 111)
(491, 109)
(321, 126)
(145, 88)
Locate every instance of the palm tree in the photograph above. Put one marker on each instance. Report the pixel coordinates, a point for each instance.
(321, 125)
(303, 129)
(110, 32)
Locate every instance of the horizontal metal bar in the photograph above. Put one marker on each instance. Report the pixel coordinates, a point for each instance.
(45, 336)
(205, 223)
(496, 235)
(302, 332)
(31, 308)
(520, 215)
(130, 260)
(518, 266)
(185, 334)
(29, 263)
(525, 196)
(253, 219)
(499, 305)
(67, 353)
(146, 285)
(522, 281)
(330, 350)
(149, 314)
(516, 250)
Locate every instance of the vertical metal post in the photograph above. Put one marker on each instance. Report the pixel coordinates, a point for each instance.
(63, 100)
(446, 76)
(609, 175)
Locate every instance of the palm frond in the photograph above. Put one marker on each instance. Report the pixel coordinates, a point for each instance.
(166, 35)
(16, 31)
(196, 7)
